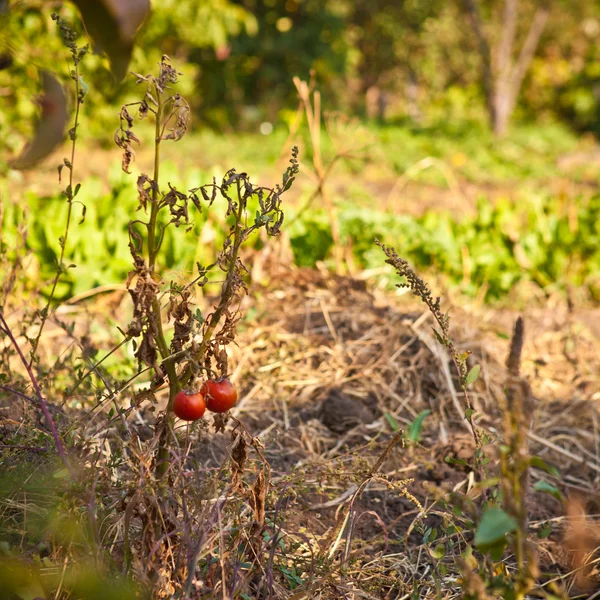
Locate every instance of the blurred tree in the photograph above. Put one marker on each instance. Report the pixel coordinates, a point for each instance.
(501, 74)
(564, 80)
(29, 44)
(404, 57)
(388, 37)
(362, 52)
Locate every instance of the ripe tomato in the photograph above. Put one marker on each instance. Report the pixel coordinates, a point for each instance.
(220, 395)
(189, 407)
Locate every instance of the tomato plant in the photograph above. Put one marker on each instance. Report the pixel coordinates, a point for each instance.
(220, 395)
(189, 407)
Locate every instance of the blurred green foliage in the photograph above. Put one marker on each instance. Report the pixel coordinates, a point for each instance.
(41, 513)
(101, 242)
(503, 244)
(176, 28)
(536, 236)
(239, 57)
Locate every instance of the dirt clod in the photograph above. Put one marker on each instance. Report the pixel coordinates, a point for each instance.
(340, 412)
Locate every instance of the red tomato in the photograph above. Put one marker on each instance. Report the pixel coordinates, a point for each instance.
(220, 395)
(189, 407)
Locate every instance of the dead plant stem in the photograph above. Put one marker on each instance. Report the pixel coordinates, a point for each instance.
(228, 289)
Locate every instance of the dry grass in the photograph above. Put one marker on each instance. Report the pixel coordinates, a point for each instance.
(309, 492)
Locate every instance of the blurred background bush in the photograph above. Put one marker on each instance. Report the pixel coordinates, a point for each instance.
(412, 59)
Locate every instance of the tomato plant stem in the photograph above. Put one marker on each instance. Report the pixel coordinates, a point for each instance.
(153, 249)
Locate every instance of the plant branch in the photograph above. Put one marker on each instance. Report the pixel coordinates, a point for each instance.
(228, 290)
(152, 249)
(509, 28)
(529, 46)
(43, 404)
(63, 242)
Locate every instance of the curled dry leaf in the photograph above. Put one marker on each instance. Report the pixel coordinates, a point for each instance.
(51, 126)
(238, 453)
(113, 24)
(259, 497)
(181, 313)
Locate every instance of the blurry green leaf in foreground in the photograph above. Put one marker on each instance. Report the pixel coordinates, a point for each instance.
(23, 580)
(113, 24)
(493, 527)
(17, 581)
(51, 126)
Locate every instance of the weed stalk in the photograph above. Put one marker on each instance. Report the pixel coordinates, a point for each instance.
(69, 36)
(515, 462)
(466, 377)
(185, 359)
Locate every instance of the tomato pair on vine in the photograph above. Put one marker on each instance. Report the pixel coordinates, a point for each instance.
(218, 395)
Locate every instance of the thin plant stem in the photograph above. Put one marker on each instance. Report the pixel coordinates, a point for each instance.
(43, 404)
(153, 248)
(17, 393)
(94, 366)
(63, 244)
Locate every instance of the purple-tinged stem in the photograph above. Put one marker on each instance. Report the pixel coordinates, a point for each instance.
(38, 391)
(18, 393)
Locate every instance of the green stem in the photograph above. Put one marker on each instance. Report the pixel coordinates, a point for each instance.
(152, 249)
(163, 348)
(59, 268)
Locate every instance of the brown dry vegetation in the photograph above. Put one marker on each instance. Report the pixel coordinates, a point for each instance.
(385, 445)
(325, 366)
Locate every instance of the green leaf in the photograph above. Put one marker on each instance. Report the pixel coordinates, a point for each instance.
(540, 463)
(61, 474)
(438, 552)
(544, 531)
(392, 422)
(544, 486)
(472, 375)
(414, 429)
(493, 527)
(469, 412)
(288, 185)
(439, 338)
(83, 85)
